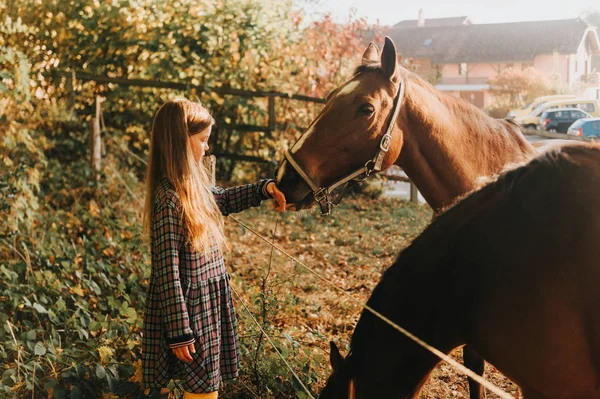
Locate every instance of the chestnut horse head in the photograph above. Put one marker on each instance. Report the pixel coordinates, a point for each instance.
(385, 115)
(355, 133)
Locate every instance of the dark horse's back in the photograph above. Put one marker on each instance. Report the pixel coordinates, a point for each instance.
(512, 270)
(537, 254)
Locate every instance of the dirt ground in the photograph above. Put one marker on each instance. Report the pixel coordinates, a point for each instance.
(351, 249)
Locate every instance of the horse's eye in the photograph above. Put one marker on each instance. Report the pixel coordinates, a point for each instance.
(366, 109)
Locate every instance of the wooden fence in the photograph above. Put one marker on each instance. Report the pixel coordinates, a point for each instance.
(551, 135)
(222, 127)
(97, 122)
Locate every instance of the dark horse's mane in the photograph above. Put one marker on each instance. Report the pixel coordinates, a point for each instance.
(445, 227)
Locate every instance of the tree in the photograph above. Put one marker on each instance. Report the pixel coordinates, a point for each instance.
(513, 87)
(592, 17)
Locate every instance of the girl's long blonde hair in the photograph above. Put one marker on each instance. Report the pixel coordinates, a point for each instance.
(171, 156)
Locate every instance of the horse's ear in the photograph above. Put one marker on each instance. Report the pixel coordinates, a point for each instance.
(371, 54)
(335, 357)
(388, 59)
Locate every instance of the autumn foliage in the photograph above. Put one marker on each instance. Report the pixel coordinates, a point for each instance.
(74, 266)
(514, 87)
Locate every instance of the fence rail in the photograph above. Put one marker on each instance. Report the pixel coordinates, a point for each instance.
(551, 135)
(223, 135)
(84, 76)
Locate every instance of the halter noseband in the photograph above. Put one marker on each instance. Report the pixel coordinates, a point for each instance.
(373, 165)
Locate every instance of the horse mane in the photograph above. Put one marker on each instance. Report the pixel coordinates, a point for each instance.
(447, 226)
(455, 105)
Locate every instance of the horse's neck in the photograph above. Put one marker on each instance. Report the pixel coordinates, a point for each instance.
(415, 295)
(449, 147)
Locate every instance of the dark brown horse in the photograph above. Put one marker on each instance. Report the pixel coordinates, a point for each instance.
(513, 270)
(445, 145)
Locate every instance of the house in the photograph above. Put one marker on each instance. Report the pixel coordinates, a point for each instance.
(460, 57)
(421, 21)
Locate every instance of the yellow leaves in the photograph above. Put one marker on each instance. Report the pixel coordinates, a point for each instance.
(216, 98)
(105, 353)
(94, 210)
(109, 251)
(77, 290)
(7, 161)
(17, 387)
(126, 235)
(137, 376)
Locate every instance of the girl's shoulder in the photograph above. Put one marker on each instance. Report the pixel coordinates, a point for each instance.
(166, 195)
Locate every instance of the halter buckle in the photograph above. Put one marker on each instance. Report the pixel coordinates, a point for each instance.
(321, 194)
(369, 167)
(386, 141)
(322, 197)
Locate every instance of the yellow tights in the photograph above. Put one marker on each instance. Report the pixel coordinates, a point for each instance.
(211, 395)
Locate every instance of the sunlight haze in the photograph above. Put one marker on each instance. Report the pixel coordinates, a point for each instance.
(479, 11)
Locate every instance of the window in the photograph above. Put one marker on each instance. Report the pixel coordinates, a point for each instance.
(462, 69)
(577, 114)
(587, 107)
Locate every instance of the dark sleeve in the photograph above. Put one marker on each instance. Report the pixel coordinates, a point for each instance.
(237, 199)
(167, 238)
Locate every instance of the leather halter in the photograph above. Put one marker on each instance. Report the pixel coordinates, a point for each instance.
(373, 165)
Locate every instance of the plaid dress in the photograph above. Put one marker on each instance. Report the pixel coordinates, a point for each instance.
(189, 298)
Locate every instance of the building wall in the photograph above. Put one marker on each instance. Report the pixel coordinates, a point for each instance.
(425, 69)
(566, 68)
(477, 71)
(554, 65)
(480, 73)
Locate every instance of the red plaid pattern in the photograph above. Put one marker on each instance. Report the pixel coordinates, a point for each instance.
(189, 298)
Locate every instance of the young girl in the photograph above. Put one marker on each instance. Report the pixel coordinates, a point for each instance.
(189, 325)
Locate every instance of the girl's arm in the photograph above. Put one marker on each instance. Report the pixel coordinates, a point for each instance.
(237, 199)
(167, 239)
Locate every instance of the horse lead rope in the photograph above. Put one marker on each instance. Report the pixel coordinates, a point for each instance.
(459, 367)
(270, 341)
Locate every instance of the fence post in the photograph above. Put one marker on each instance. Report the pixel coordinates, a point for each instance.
(414, 193)
(210, 163)
(70, 86)
(96, 142)
(271, 112)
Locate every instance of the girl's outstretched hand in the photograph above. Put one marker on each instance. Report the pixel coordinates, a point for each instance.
(277, 196)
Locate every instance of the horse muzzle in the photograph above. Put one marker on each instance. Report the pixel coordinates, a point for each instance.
(295, 189)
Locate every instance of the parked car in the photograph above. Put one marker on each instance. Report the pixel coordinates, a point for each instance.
(559, 120)
(527, 108)
(592, 107)
(588, 127)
